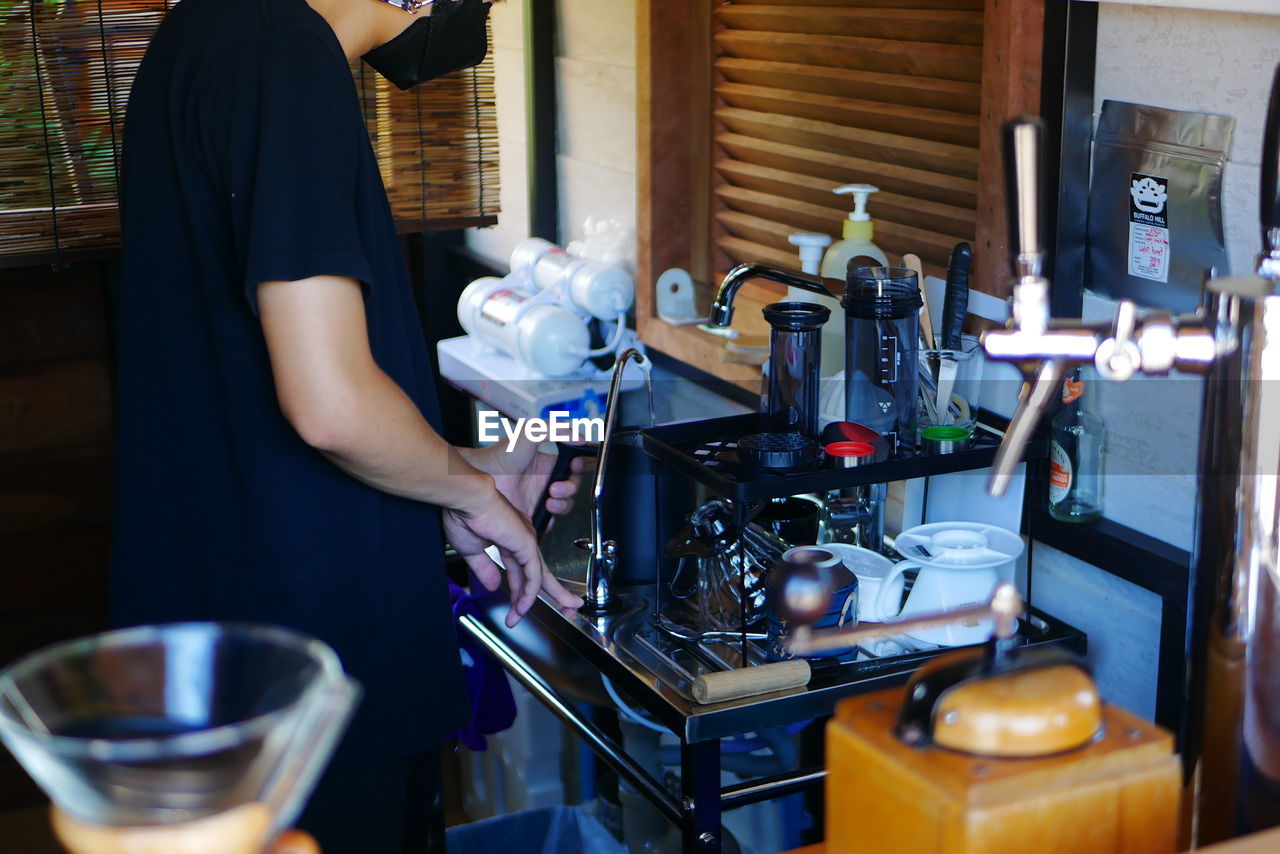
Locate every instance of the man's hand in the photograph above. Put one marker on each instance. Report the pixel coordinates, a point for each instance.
(521, 475)
(342, 404)
(494, 521)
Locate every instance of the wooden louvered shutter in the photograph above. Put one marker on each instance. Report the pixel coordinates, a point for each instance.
(809, 95)
(65, 71)
(782, 101)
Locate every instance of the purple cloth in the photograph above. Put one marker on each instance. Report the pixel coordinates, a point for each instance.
(493, 708)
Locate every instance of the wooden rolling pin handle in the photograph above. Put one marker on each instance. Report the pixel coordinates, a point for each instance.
(749, 681)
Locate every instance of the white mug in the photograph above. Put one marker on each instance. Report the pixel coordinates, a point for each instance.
(871, 569)
(813, 555)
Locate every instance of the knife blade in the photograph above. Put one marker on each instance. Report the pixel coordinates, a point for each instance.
(955, 305)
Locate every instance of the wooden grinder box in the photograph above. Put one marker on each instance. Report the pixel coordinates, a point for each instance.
(1118, 795)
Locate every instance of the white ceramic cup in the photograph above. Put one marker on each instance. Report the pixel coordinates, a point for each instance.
(813, 555)
(871, 568)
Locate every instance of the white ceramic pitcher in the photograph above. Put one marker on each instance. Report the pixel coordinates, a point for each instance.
(959, 565)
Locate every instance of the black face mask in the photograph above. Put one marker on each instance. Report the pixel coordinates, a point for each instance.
(451, 38)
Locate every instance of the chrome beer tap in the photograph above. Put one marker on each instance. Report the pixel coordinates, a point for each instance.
(1230, 739)
(1045, 348)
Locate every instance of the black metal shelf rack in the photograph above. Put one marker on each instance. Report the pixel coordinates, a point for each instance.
(706, 452)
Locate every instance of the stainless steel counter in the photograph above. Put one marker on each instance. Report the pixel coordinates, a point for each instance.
(556, 645)
(566, 658)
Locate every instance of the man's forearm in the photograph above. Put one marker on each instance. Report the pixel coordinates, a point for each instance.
(343, 404)
(385, 442)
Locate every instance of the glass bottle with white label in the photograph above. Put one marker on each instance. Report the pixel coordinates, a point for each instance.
(1075, 457)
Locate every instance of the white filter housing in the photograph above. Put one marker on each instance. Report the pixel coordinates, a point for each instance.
(545, 336)
(599, 290)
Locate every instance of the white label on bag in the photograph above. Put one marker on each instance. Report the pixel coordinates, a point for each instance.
(1148, 227)
(1060, 474)
(1149, 252)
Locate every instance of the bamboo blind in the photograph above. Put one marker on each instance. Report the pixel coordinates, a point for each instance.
(811, 94)
(65, 71)
(437, 146)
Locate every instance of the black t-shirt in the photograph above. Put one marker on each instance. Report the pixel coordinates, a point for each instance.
(246, 160)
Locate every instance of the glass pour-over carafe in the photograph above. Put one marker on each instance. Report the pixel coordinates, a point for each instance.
(167, 726)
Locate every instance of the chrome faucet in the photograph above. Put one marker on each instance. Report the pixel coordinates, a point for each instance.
(604, 553)
(722, 308)
(1043, 347)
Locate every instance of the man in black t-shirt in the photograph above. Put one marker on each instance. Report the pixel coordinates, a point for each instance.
(277, 453)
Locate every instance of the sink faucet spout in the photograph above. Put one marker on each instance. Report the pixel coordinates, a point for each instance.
(604, 553)
(722, 308)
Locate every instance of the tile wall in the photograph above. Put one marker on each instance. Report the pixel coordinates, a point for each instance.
(596, 125)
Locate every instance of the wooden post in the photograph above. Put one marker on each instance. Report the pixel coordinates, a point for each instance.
(1012, 60)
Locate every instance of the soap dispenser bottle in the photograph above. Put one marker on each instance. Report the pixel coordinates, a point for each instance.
(856, 241)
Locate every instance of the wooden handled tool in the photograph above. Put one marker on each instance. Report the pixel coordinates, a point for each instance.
(749, 681)
(237, 831)
(241, 830)
(913, 262)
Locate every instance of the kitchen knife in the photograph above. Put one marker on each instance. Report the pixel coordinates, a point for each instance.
(955, 305)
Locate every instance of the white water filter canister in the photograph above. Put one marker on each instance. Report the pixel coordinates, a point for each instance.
(600, 290)
(545, 336)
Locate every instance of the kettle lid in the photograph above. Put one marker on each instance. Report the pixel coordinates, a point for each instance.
(959, 545)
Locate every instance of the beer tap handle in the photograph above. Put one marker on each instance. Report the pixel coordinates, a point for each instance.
(1040, 394)
(1023, 151)
(1023, 157)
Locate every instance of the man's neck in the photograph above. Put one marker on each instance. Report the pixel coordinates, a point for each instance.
(362, 25)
